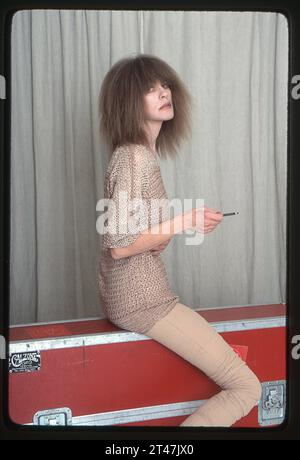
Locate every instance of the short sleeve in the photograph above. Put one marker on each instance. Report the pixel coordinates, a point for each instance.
(127, 208)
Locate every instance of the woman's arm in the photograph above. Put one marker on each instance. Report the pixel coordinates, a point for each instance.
(156, 235)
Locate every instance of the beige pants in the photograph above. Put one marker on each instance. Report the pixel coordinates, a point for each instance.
(189, 335)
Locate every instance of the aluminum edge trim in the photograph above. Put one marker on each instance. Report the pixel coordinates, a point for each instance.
(137, 414)
(106, 338)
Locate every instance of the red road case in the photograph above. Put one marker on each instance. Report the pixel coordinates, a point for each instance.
(93, 373)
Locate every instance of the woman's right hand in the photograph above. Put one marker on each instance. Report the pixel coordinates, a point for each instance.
(205, 220)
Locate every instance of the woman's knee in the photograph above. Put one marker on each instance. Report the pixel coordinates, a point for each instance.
(247, 385)
(254, 388)
(248, 392)
(249, 382)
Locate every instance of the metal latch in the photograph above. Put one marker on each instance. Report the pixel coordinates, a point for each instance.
(271, 408)
(53, 417)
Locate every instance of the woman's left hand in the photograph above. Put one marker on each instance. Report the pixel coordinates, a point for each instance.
(158, 249)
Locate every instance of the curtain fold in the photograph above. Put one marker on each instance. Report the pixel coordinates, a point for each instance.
(235, 65)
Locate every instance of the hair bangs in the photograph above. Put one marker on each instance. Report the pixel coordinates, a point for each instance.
(150, 71)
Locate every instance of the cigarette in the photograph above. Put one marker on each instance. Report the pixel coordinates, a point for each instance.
(230, 214)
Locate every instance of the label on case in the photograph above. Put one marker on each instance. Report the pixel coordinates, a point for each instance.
(25, 362)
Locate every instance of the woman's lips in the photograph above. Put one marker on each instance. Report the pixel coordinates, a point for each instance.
(166, 107)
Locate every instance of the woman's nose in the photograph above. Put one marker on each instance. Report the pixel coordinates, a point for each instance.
(163, 91)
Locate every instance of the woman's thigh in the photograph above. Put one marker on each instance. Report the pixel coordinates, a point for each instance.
(188, 334)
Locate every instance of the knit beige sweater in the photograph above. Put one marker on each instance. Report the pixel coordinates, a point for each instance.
(134, 291)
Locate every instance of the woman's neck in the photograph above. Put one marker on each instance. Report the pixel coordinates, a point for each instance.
(152, 130)
(153, 150)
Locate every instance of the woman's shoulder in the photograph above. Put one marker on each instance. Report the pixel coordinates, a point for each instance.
(131, 158)
(131, 154)
(133, 149)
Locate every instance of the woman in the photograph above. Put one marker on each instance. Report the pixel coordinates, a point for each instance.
(145, 113)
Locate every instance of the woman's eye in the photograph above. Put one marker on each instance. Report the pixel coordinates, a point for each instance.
(164, 85)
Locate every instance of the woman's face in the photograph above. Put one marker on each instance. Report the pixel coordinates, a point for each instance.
(158, 103)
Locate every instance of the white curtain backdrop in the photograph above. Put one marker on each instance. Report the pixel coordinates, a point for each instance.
(235, 65)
